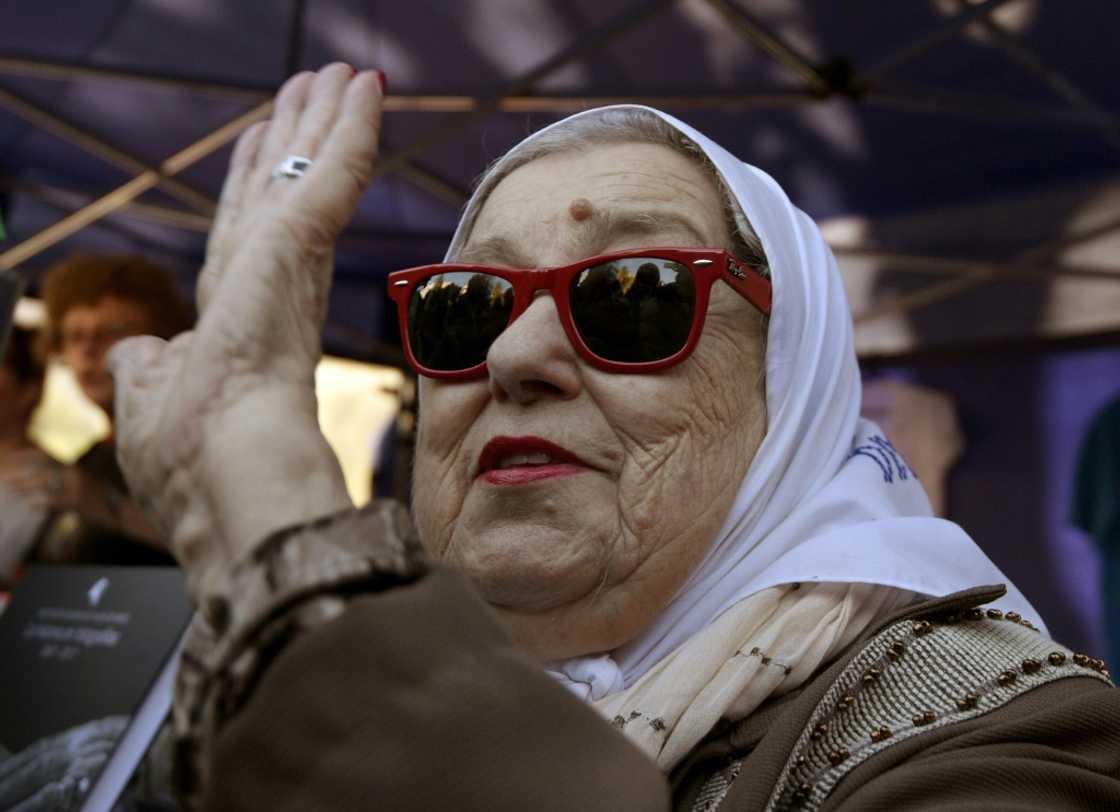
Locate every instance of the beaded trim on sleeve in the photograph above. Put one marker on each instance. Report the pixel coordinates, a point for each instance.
(296, 580)
(919, 675)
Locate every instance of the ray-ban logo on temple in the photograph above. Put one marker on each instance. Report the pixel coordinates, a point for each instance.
(632, 311)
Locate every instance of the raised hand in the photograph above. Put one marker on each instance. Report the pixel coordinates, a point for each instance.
(217, 430)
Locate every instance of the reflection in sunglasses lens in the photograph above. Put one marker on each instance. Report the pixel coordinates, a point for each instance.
(453, 318)
(635, 309)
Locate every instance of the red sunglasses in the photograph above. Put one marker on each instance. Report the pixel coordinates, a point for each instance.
(632, 311)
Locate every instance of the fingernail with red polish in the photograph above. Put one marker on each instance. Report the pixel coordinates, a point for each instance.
(383, 81)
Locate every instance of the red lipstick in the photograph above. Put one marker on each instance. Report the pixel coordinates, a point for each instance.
(521, 460)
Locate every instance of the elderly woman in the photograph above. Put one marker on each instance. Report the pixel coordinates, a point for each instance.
(658, 561)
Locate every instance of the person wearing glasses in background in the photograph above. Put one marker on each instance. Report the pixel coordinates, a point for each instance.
(92, 302)
(654, 558)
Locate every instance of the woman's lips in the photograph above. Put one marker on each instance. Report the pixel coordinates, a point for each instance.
(521, 460)
(523, 475)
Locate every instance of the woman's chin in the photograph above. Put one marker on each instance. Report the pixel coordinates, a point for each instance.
(526, 583)
(528, 565)
(531, 590)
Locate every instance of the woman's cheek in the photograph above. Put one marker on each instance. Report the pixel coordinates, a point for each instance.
(441, 474)
(439, 487)
(685, 456)
(436, 498)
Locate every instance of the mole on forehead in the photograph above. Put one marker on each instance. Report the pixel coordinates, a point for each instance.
(581, 209)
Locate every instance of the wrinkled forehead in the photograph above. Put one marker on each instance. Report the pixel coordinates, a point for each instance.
(581, 203)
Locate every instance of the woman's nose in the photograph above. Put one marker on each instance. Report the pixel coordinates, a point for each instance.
(532, 358)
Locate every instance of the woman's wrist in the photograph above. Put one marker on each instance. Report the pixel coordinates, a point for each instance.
(253, 479)
(281, 487)
(294, 581)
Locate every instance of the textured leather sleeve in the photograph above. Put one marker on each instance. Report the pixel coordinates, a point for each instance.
(971, 711)
(952, 708)
(1054, 748)
(914, 678)
(293, 582)
(413, 699)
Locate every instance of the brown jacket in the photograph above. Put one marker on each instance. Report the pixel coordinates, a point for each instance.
(412, 699)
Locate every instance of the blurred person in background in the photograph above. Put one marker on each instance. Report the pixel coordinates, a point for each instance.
(22, 515)
(1096, 511)
(922, 423)
(93, 302)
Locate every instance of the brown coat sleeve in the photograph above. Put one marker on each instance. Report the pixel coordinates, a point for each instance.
(1055, 748)
(413, 699)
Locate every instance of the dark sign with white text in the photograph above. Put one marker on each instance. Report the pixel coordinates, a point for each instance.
(83, 643)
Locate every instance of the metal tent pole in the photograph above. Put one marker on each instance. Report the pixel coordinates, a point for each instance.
(523, 83)
(59, 127)
(927, 42)
(956, 267)
(780, 51)
(129, 191)
(985, 274)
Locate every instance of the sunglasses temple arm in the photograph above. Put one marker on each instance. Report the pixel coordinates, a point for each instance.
(750, 284)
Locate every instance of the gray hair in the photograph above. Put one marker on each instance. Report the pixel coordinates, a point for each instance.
(613, 126)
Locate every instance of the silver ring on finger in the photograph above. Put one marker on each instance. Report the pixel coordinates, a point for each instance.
(292, 167)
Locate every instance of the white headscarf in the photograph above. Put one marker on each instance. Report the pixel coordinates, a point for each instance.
(826, 498)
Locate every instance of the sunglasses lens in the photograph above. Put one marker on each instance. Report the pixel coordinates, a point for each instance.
(453, 318)
(634, 310)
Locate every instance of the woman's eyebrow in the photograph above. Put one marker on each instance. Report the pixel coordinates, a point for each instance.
(612, 224)
(495, 250)
(591, 238)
